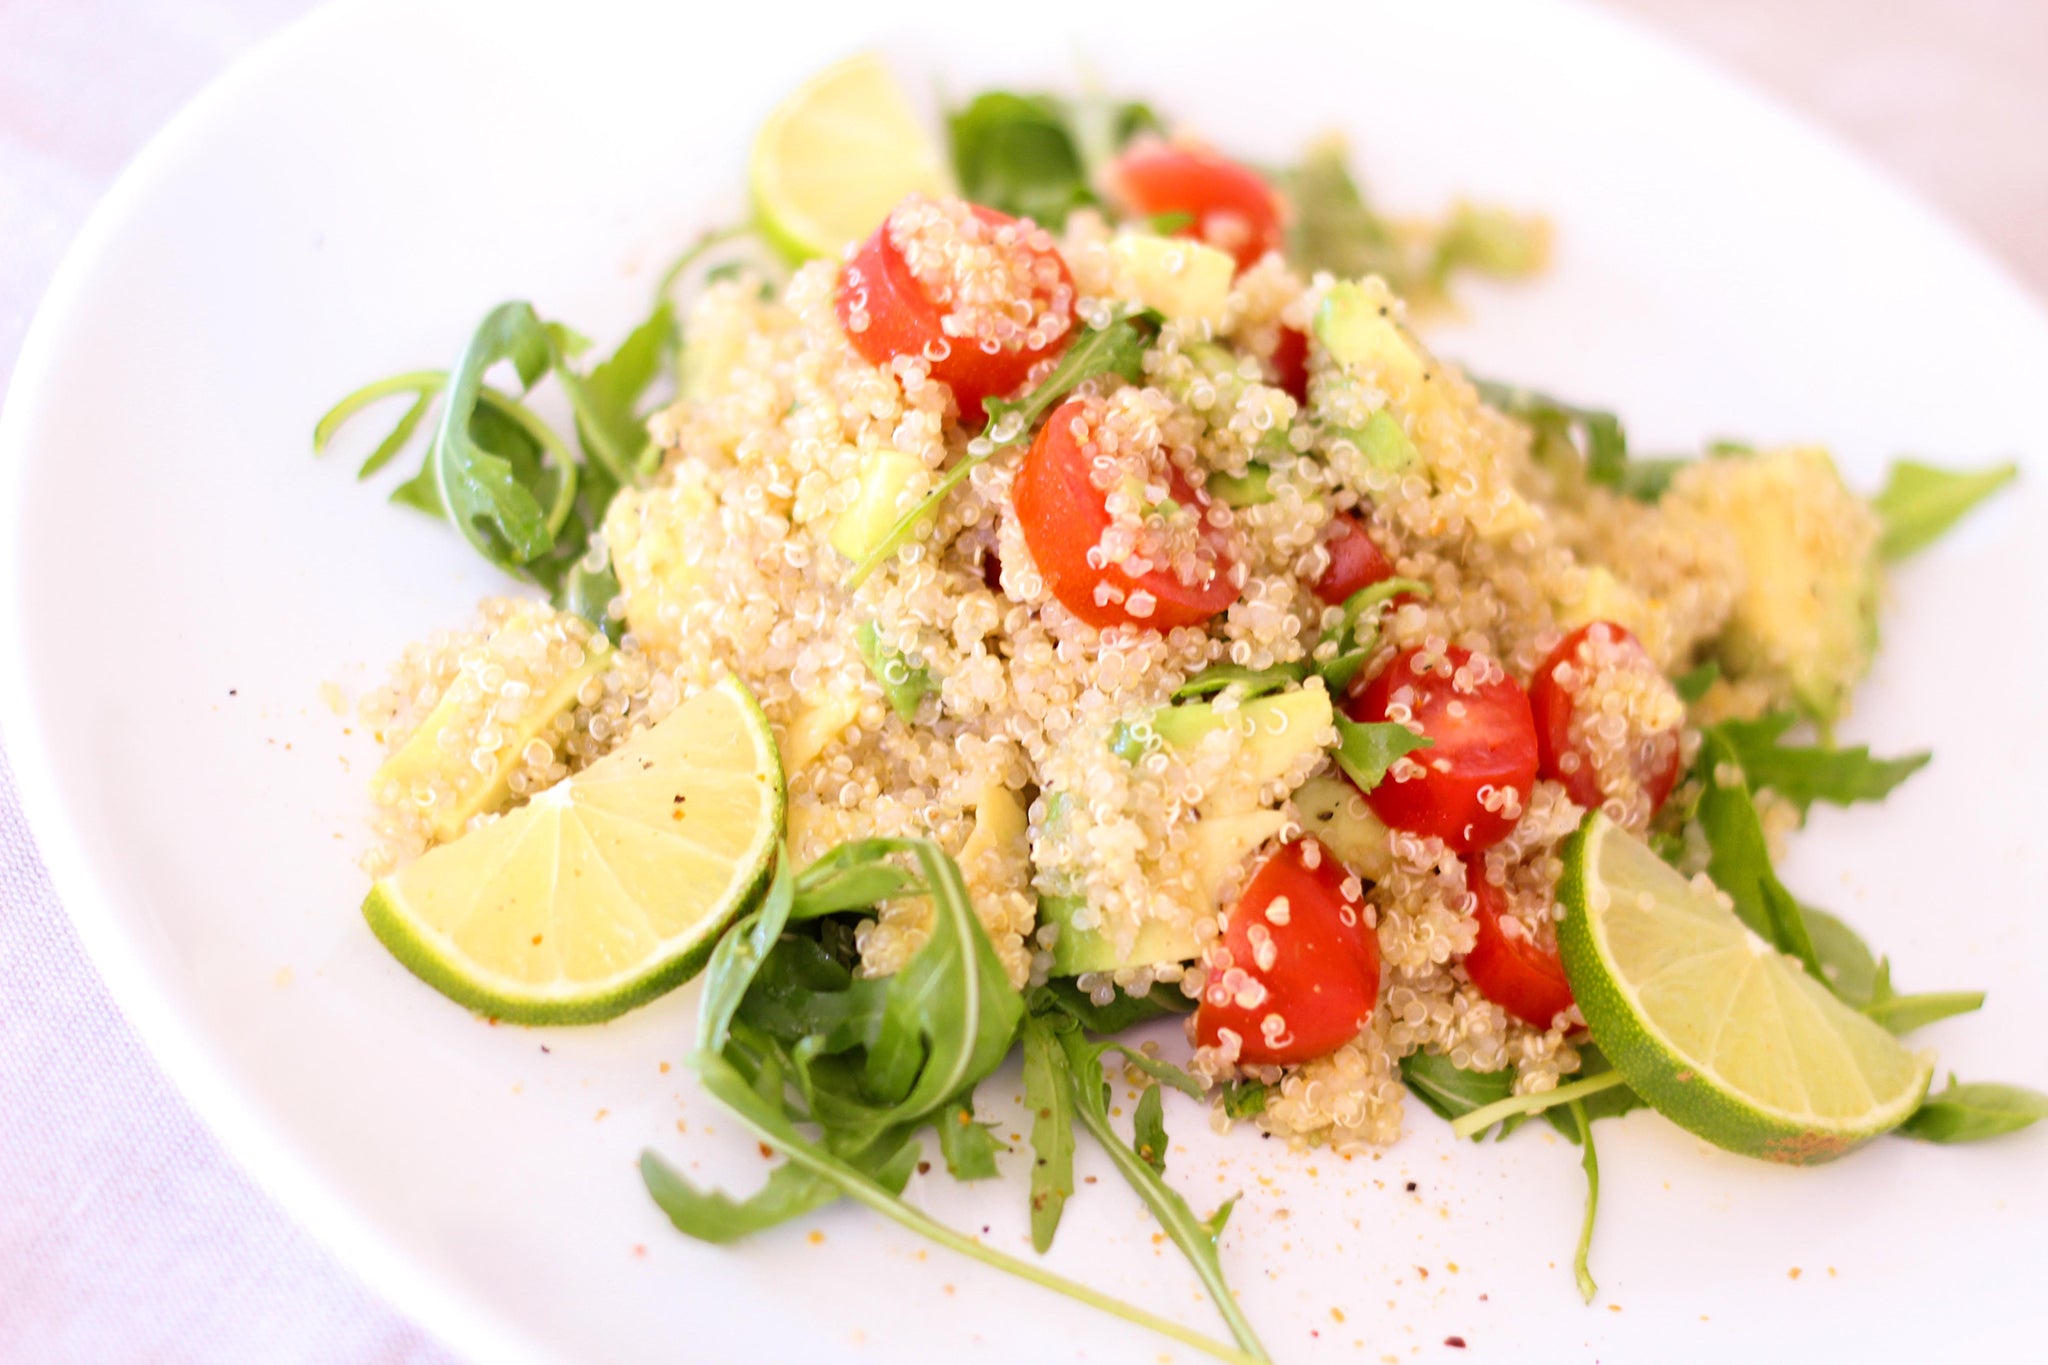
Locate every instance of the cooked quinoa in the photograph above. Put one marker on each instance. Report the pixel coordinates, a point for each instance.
(727, 564)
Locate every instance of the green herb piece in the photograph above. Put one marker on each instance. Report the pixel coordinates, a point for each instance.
(1117, 349)
(853, 876)
(1450, 1091)
(1249, 682)
(1195, 1238)
(609, 423)
(1975, 1111)
(1804, 774)
(1365, 750)
(1850, 970)
(1486, 1115)
(1166, 1073)
(1018, 154)
(903, 684)
(1490, 240)
(1920, 503)
(1242, 490)
(1334, 228)
(738, 956)
(1148, 1130)
(496, 512)
(713, 1216)
(1589, 1161)
(969, 1147)
(769, 1125)
(1244, 1099)
(1122, 1012)
(1591, 434)
(1693, 684)
(1049, 1095)
(1357, 634)
(1740, 861)
(1647, 479)
(1170, 224)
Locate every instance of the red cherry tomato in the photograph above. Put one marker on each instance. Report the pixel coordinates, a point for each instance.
(886, 310)
(1518, 973)
(1295, 982)
(1290, 364)
(1233, 207)
(1470, 788)
(1064, 515)
(1568, 752)
(1356, 561)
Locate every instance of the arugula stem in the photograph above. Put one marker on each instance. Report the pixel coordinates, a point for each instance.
(423, 383)
(1178, 1223)
(1484, 1117)
(867, 1192)
(692, 254)
(1589, 1161)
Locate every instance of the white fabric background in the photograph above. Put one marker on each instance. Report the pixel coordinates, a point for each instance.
(126, 1233)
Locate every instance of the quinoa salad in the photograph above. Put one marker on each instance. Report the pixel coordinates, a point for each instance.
(1122, 618)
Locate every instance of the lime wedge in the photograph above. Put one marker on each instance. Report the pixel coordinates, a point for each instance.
(608, 888)
(836, 156)
(1723, 1034)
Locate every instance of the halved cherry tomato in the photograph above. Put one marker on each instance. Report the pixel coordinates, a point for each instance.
(1233, 207)
(1298, 971)
(1566, 752)
(886, 311)
(1518, 973)
(1064, 515)
(1469, 789)
(1356, 561)
(1290, 364)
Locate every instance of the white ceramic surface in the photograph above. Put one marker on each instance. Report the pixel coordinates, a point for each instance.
(180, 579)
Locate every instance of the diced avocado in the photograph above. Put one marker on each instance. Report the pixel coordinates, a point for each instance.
(818, 721)
(888, 485)
(1242, 490)
(1357, 328)
(421, 762)
(903, 683)
(1186, 281)
(1805, 622)
(1384, 443)
(1607, 598)
(1335, 815)
(1223, 842)
(998, 821)
(1075, 951)
(649, 532)
(1279, 731)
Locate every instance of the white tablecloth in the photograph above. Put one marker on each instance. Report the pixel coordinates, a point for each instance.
(126, 1233)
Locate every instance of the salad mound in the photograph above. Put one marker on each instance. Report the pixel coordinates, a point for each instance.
(1148, 623)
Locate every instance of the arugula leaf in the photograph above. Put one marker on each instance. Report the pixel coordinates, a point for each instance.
(1740, 859)
(1450, 1091)
(1244, 1099)
(1804, 774)
(1166, 1073)
(1148, 1130)
(1589, 1161)
(1693, 684)
(715, 1217)
(1366, 749)
(1048, 1093)
(1018, 154)
(853, 876)
(903, 685)
(1648, 478)
(1594, 435)
(1357, 633)
(1522, 1106)
(1195, 1238)
(1117, 349)
(1904, 1013)
(1602, 1104)
(1865, 982)
(1920, 503)
(608, 421)
(494, 511)
(1125, 1011)
(738, 956)
(1334, 228)
(1249, 682)
(969, 1147)
(1490, 240)
(1975, 1111)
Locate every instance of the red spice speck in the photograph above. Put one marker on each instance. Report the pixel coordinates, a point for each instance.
(1455, 1343)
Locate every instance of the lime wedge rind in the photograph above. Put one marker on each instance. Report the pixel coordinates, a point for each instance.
(1743, 1057)
(420, 913)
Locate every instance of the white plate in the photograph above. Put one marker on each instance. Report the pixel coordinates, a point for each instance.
(182, 577)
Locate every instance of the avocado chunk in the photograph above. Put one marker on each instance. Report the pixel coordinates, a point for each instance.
(1336, 816)
(1357, 327)
(904, 684)
(888, 485)
(554, 654)
(1248, 489)
(1186, 281)
(1805, 622)
(1075, 951)
(1280, 730)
